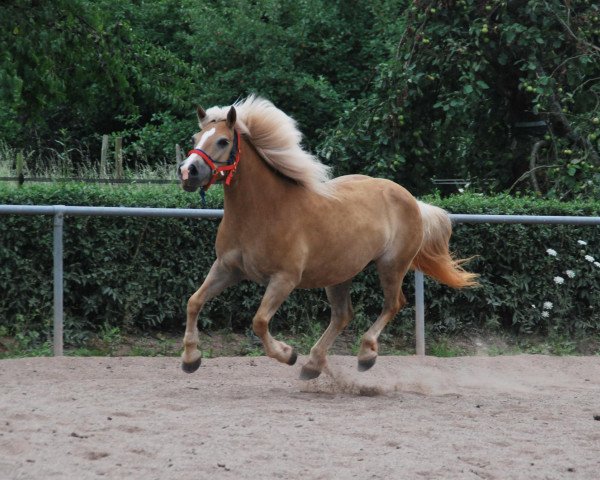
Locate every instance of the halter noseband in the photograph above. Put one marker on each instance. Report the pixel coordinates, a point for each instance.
(219, 171)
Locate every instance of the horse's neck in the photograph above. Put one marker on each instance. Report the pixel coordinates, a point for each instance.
(256, 187)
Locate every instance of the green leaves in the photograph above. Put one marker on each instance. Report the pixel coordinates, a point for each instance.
(84, 66)
(460, 73)
(466, 88)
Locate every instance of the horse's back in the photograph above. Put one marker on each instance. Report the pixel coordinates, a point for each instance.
(349, 178)
(365, 188)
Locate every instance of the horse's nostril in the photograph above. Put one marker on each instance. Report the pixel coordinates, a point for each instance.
(193, 171)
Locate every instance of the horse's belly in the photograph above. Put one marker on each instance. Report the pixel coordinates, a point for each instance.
(337, 262)
(326, 277)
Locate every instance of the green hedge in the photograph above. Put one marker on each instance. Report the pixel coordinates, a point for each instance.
(137, 273)
(517, 272)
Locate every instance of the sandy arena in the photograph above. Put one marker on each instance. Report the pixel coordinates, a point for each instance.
(529, 417)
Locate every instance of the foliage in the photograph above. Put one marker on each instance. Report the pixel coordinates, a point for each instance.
(307, 56)
(68, 72)
(405, 90)
(459, 87)
(518, 275)
(72, 70)
(134, 273)
(111, 265)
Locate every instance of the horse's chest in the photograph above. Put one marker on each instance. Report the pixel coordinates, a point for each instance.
(260, 254)
(253, 264)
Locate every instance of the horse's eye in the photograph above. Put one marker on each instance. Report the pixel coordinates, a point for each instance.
(193, 141)
(223, 142)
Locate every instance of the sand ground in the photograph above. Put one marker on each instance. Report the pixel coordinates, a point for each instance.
(529, 417)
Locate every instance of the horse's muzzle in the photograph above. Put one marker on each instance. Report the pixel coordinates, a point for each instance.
(190, 177)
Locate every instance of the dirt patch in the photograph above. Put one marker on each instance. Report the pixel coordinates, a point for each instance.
(246, 418)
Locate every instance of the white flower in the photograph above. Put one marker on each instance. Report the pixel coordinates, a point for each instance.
(570, 273)
(545, 314)
(581, 242)
(551, 252)
(548, 305)
(589, 258)
(597, 264)
(533, 306)
(559, 280)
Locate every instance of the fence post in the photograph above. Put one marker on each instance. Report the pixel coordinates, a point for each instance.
(419, 313)
(20, 164)
(58, 279)
(178, 155)
(104, 156)
(119, 158)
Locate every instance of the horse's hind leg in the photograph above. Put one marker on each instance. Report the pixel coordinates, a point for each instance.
(341, 314)
(391, 276)
(216, 281)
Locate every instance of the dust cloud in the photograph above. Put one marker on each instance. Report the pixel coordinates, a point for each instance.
(422, 376)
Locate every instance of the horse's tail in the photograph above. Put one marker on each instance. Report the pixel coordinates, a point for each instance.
(434, 258)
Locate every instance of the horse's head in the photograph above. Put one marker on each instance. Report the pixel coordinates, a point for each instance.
(214, 153)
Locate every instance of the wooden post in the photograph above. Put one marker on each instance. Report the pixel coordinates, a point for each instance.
(104, 157)
(119, 158)
(178, 155)
(19, 167)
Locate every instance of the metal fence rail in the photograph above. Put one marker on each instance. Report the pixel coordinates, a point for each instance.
(59, 212)
(525, 219)
(136, 181)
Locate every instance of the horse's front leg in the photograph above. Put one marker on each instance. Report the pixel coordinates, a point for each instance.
(217, 280)
(278, 289)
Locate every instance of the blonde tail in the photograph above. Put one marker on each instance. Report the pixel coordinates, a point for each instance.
(434, 257)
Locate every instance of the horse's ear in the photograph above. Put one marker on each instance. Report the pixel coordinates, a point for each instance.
(201, 113)
(231, 116)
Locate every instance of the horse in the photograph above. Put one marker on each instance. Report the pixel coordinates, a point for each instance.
(288, 225)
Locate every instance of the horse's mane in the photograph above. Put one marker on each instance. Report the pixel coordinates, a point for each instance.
(277, 139)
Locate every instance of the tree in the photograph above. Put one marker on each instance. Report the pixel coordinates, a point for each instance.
(75, 69)
(71, 71)
(463, 80)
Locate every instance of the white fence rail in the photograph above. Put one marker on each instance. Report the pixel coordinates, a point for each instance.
(59, 212)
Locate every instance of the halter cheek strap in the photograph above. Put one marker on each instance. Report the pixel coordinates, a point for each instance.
(220, 171)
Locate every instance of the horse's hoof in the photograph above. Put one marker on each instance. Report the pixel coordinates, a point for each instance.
(308, 373)
(364, 365)
(293, 358)
(191, 367)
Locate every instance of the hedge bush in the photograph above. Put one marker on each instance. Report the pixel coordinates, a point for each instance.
(519, 271)
(137, 273)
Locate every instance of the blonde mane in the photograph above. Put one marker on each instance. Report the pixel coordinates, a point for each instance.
(277, 139)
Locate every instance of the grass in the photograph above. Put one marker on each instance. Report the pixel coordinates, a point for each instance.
(444, 347)
(20, 340)
(558, 345)
(60, 164)
(111, 341)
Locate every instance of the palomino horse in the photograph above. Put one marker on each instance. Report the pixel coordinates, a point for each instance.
(287, 226)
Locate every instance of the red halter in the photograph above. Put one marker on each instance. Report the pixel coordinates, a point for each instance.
(216, 172)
